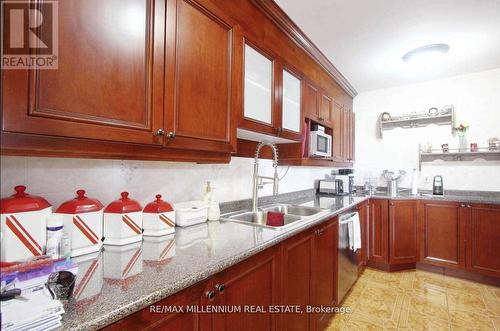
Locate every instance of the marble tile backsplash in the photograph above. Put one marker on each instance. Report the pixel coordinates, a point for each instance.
(57, 179)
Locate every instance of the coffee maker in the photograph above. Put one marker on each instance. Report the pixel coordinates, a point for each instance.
(437, 185)
(347, 177)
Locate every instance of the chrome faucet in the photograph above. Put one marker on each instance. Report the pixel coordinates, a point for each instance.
(258, 181)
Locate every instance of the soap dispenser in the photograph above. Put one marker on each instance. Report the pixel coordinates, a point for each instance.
(213, 205)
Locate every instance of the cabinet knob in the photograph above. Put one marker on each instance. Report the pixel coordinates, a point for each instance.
(171, 135)
(159, 132)
(468, 206)
(210, 295)
(462, 205)
(220, 288)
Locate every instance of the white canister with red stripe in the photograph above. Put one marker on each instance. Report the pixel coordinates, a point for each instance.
(82, 219)
(23, 228)
(122, 221)
(158, 218)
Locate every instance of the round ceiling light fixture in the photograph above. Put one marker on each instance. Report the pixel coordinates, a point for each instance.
(426, 52)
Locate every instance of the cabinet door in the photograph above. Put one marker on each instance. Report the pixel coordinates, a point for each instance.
(326, 110)
(109, 81)
(253, 282)
(296, 285)
(324, 284)
(291, 110)
(156, 318)
(443, 230)
(379, 231)
(338, 137)
(403, 231)
(345, 134)
(311, 101)
(484, 240)
(203, 52)
(352, 137)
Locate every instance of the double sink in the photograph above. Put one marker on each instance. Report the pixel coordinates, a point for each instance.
(292, 214)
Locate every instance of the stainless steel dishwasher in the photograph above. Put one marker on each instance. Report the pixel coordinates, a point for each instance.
(347, 262)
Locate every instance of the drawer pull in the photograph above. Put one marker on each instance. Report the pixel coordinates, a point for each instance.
(210, 295)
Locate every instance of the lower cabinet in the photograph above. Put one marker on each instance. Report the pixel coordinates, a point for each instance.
(378, 229)
(251, 283)
(402, 231)
(364, 218)
(301, 271)
(310, 275)
(483, 242)
(442, 235)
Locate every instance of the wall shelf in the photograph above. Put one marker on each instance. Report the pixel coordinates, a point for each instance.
(457, 155)
(415, 120)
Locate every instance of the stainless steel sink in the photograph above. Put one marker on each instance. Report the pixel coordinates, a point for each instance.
(292, 214)
(259, 218)
(292, 209)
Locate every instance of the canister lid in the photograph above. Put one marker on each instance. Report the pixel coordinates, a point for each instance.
(80, 204)
(123, 205)
(22, 202)
(158, 206)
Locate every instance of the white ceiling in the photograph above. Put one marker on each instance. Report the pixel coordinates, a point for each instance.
(365, 39)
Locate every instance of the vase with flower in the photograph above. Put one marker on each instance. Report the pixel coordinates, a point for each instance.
(461, 131)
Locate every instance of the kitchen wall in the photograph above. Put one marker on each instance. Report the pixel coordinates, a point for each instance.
(57, 179)
(476, 98)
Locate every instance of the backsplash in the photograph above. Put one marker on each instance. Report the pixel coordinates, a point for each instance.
(57, 179)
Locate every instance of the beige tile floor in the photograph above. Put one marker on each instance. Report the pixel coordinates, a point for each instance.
(418, 300)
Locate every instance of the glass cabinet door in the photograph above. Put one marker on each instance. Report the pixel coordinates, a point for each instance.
(291, 102)
(258, 86)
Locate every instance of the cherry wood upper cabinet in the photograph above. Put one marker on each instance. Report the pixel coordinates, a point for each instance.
(403, 231)
(484, 239)
(379, 231)
(254, 282)
(443, 231)
(204, 50)
(326, 110)
(311, 101)
(338, 135)
(290, 119)
(109, 82)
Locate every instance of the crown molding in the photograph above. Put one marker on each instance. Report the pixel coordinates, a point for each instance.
(285, 23)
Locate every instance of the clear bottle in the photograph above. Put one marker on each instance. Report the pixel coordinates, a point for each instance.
(54, 235)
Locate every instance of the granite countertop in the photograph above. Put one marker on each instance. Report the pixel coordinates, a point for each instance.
(456, 196)
(122, 280)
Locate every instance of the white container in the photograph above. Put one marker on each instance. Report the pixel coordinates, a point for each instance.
(158, 218)
(23, 225)
(122, 262)
(54, 235)
(90, 278)
(83, 218)
(158, 249)
(122, 221)
(190, 213)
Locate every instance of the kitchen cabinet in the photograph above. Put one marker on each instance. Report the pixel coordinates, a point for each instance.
(326, 110)
(291, 110)
(443, 234)
(378, 232)
(156, 316)
(402, 231)
(311, 101)
(338, 134)
(254, 282)
(347, 132)
(139, 90)
(115, 96)
(324, 284)
(310, 275)
(203, 54)
(483, 243)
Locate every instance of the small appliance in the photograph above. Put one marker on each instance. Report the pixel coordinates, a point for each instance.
(437, 185)
(350, 173)
(331, 186)
(347, 183)
(320, 143)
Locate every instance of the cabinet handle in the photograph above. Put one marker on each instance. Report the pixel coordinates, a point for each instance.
(468, 206)
(462, 205)
(220, 288)
(171, 135)
(210, 295)
(319, 232)
(159, 132)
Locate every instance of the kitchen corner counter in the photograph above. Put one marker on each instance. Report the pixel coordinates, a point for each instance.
(119, 282)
